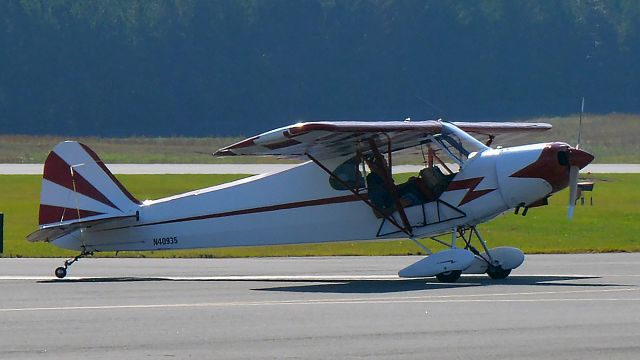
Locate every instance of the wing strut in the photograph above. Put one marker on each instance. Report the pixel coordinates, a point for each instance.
(432, 156)
(360, 196)
(379, 162)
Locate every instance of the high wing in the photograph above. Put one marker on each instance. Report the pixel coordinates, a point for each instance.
(502, 133)
(331, 139)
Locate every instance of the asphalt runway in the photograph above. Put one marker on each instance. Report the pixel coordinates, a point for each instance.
(553, 307)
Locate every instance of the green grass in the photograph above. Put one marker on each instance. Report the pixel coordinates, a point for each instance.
(612, 137)
(25, 149)
(611, 224)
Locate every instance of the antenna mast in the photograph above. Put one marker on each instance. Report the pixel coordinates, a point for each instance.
(580, 123)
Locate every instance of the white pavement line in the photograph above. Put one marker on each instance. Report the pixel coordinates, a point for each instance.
(27, 277)
(565, 292)
(217, 278)
(346, 301)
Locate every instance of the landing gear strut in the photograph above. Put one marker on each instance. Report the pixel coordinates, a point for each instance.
(507, 258)
(447, 265)
(61, 272)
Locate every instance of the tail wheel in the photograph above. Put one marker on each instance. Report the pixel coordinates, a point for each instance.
(498, 273)
(61, 272)
(449, 276)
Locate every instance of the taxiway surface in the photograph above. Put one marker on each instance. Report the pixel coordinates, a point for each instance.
(555, 306)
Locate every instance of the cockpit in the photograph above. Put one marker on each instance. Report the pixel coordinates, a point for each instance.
(442, 155)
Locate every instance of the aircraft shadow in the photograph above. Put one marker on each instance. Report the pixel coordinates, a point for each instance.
(394, 286)
(364, 286)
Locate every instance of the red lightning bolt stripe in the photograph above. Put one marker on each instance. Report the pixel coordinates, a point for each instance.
(471, 185)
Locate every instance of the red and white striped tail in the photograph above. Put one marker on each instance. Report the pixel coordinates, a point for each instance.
(77, 186)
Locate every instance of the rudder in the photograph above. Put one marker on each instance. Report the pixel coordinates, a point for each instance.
(77, 186)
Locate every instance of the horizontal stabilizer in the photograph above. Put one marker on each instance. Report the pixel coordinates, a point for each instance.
(51, 232)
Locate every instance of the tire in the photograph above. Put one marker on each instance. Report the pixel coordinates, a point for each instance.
(449, 276)
(498, 273)
(61, 272)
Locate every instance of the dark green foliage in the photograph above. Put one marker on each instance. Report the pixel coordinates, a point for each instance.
(228, 67)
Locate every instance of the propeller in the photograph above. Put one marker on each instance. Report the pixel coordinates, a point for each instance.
(573, 189)
(580, 123)
(574, 154)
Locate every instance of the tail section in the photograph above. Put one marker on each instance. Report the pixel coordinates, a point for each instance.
(78, 187)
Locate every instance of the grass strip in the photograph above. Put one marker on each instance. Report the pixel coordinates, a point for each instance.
(610, 225)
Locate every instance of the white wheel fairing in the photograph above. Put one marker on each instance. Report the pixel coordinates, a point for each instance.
(443, 261)
(506, 257)
(478, 266)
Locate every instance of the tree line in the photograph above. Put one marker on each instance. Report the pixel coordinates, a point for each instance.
(229, 67)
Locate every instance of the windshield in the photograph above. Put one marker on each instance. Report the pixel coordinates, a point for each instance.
(457, 143)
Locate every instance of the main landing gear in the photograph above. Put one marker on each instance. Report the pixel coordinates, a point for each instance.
(61, 272)
(497, 272)
(448, 265)
(449, 276)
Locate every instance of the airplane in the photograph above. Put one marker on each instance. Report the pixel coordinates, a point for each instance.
(344, 191)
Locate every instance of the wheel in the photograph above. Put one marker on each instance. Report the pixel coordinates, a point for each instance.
(498, 273)
(449, 276)
(61, 272)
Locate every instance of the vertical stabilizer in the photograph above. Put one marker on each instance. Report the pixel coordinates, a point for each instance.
(77, 186)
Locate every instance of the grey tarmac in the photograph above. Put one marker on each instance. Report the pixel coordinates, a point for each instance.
(583, 306)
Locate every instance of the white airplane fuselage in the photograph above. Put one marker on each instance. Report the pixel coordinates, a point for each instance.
(298, 205)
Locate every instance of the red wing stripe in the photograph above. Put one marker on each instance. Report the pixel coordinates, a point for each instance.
(58, 171)
(243, 144)
(430, 127)
(53, 214)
